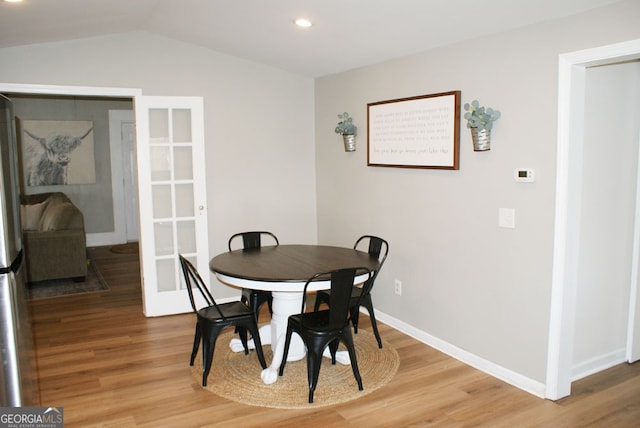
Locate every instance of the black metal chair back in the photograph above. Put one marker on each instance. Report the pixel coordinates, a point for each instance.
(254, 298)
(252, 240)
(193, 280)
(378, 248)
(341, 283)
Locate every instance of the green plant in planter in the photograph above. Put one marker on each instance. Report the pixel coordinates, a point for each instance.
(346, 126)
(480, 117)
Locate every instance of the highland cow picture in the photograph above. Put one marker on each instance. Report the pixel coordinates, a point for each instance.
(57, 152)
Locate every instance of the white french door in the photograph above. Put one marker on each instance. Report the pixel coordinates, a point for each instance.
(172, 198)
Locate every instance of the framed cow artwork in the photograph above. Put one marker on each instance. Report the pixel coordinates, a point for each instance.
(57, 152)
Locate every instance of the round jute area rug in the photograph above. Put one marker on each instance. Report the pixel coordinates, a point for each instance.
(236, 376)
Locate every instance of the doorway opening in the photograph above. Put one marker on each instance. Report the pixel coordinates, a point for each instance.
(571, 116)
(106, 221)
(124, 175)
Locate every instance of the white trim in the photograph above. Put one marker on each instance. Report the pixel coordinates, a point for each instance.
(597, 364)
(119, 234)
(630, 356)
(70, 90)
(602, 55)
(101, 239)
(289, 286)
(567, 222)
(509, 376)
(571, 71)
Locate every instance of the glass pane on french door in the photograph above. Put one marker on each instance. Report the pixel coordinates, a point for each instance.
(173, 215)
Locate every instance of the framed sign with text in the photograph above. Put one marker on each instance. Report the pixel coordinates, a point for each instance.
(415, 132)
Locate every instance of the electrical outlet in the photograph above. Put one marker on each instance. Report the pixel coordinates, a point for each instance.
(398, 287)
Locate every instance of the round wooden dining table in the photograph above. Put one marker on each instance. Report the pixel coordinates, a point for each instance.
(284, 270)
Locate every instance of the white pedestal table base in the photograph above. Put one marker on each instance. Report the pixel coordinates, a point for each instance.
(285, 303)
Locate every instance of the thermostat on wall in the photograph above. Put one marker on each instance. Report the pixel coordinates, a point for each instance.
(524, 175)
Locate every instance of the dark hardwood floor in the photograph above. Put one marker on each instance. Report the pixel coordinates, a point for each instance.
(109, 366)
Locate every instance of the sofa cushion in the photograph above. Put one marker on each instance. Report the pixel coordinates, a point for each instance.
(58, 248)
(58, 215)
(31, 214)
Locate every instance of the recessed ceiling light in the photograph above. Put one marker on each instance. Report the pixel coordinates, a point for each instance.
(13, 1)
(304, 23)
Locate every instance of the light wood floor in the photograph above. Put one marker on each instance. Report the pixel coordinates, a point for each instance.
(108, 365)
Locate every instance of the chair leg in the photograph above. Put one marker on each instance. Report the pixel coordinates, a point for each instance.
(333, 348)
(355, 317)
(374, 325)
(314, 360)
(285, 352)
(270, 303)
(348, 341)
(255, 306)
(258, 345)
(242, 332)
(206, 361)
(243, 299)
(209, 336)
(196, 344)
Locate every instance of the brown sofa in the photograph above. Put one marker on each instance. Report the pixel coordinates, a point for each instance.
(53, 237)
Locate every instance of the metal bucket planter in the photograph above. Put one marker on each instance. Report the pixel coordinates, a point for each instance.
(481, 139)
(349, 142)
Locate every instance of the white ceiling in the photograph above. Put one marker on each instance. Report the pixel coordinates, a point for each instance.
(347, 34)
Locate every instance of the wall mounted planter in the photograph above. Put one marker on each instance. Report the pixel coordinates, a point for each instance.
(349, 142)
(481, 139)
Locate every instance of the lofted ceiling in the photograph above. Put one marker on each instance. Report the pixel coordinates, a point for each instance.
(346, 34)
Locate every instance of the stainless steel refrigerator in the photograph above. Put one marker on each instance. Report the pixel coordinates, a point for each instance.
(18, 374)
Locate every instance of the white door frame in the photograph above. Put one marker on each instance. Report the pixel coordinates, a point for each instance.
(121, 214)
(118, 236)
(571, 91)
(129, 162)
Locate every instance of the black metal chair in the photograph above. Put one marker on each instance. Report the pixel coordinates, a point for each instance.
(320, 329)
(361, 296)
(254, 298)
(213, 318)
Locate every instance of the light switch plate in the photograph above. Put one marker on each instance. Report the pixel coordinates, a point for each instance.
(507, 218)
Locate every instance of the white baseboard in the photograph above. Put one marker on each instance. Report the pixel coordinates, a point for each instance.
(102, 239)
(597, 364)
(509, 376)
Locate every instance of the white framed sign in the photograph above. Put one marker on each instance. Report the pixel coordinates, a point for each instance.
(415, 132)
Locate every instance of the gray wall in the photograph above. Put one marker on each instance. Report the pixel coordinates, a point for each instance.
(467, 283)
(94, 200)
(259, 144)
